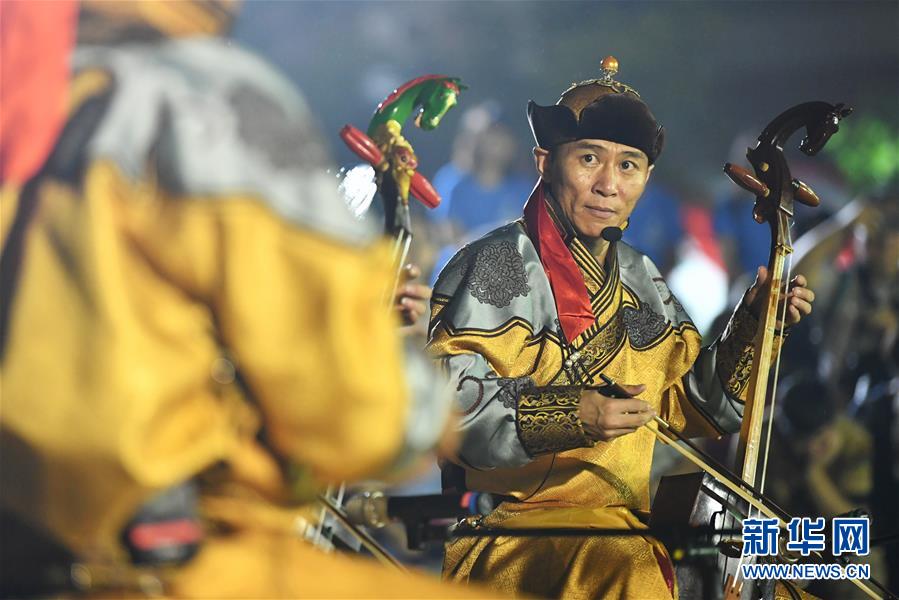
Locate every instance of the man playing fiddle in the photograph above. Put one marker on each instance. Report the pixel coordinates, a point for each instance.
(531, 318)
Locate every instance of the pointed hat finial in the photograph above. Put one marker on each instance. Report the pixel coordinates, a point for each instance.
(608, 68)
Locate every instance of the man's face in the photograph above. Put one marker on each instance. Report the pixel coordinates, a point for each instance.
(596, 182)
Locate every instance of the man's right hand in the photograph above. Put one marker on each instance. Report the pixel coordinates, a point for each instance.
(606, 418)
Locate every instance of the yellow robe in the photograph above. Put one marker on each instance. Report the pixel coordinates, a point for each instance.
(604, 485)
(154, 335)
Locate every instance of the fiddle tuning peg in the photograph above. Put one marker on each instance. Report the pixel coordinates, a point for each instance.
(746, 180)
(758, 214)
(804, 194)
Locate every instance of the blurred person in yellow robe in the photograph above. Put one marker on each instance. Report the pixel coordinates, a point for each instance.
(193, 341)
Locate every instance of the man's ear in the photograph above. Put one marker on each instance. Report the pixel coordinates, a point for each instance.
(542, 162)
(649, 171)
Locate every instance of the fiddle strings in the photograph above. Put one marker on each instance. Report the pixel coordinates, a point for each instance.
(317, 538)
(365, 540)
(784, 293)
(783, 320)
(400, 253)
(320, 535)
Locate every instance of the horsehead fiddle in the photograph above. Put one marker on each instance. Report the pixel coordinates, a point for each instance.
(395, 164)
(776, 192)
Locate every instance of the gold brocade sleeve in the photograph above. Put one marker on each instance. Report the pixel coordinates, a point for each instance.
(547, 419)
(736, 351)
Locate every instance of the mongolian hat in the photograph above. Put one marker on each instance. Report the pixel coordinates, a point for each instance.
(602, 109)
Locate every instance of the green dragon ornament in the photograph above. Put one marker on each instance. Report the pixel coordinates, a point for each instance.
(385, 148)
(429, 97)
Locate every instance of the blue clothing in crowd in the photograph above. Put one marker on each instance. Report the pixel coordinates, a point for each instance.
(473, 206)
(733, 220)
(655, 227)
(445, 181)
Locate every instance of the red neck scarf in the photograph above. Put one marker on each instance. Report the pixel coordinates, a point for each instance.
(565, 278)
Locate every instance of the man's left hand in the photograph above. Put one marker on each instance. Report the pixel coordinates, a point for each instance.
(799, 300)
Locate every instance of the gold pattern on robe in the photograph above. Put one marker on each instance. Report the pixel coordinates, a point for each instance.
(548, 420)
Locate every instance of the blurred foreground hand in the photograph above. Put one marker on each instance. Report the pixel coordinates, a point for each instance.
(411, 298)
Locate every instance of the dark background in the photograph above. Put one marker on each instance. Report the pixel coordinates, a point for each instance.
(708, 69)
